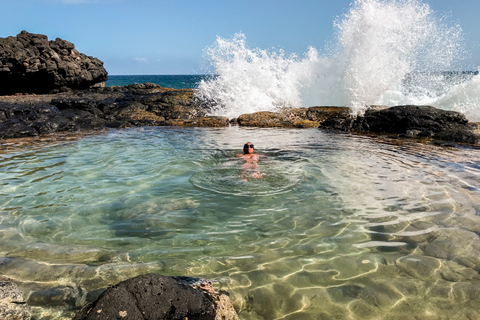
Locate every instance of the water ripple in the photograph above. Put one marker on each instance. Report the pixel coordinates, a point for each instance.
(336, 217)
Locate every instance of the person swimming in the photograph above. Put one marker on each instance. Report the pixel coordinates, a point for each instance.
(250, 166)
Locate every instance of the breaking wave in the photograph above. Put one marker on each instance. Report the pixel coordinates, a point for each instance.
(385, 53)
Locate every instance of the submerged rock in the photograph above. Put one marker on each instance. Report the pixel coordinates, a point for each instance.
(12, 302)
(68, 297)
(29, 63)
(153, 296)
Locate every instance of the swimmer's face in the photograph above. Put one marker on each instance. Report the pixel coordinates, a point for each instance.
(248, 148)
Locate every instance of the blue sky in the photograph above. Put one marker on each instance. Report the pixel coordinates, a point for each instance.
(169, 37)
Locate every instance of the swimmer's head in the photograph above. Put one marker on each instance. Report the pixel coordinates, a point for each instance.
(248, 148)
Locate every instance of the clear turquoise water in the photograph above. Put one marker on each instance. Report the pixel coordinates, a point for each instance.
(338, 227)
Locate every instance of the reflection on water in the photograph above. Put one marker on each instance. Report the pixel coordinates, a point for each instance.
(338, 227)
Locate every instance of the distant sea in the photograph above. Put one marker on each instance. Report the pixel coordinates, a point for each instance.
(166, 81)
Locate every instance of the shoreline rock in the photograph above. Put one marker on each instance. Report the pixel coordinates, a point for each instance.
(149, 104)
(98, 108)
(410, 121)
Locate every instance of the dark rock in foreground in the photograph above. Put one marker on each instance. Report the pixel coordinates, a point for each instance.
(29, 63)
(153, 296)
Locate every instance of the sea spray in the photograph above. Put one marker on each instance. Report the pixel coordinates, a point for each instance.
(381, 42)
(386, 53)
(464, 97)
(248, 80)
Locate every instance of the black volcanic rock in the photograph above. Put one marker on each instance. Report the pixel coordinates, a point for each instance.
(400, 119)
(99, 108)
(30, 63)
(153, 296)
(151, 105)
(420, 121)
(410, 121)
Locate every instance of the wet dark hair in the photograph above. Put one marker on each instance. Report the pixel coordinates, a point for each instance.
(245, 147)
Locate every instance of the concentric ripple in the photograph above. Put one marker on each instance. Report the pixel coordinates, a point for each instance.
(272, 177)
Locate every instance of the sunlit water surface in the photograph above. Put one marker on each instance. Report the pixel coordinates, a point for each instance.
(337, 227)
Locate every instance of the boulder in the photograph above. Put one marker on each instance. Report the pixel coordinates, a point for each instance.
(30, 63)
(401, 119)
(154, 296)
(149, 104)
(420, 121)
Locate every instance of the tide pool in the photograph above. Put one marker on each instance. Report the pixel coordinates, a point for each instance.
(338, 227)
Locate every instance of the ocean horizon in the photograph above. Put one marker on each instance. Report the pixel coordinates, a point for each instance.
(180, 81)
(175, 81)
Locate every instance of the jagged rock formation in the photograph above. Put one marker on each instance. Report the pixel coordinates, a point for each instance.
(30, 63)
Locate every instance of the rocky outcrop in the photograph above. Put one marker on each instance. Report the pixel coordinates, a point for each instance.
(30, 63)
(407, 121)
(12, 302)
(154, 296)
(149, 104)
(93, 109)
(410, 121)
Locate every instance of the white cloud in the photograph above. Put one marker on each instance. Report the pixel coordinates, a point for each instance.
(141, 60)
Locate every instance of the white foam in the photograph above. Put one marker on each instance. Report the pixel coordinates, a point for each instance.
(386, 53)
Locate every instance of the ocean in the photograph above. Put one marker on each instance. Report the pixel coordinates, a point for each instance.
(166, 81)
(451, 90)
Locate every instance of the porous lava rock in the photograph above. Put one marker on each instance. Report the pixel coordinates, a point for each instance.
(30, 63)
(99, 108)
(157, 297)
(284, 118)
(410, 121)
